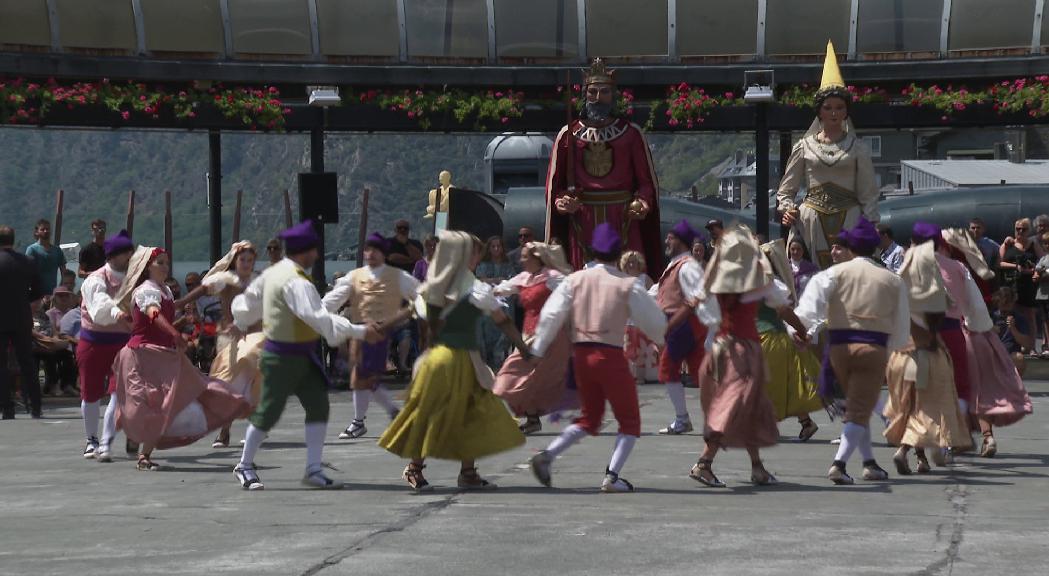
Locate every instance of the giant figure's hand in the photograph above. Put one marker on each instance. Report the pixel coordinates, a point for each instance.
(790, 217)
(567, 204)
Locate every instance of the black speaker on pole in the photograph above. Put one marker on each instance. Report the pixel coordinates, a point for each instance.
(319, 197)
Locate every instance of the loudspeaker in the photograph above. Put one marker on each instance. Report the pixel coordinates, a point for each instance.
(319, 197)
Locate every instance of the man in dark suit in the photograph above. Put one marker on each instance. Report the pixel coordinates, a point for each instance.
(19, 286)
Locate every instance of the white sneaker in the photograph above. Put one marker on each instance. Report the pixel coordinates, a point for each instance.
(248, 478)
(91, 448)
(104, 454)
(319, 480)
(355, 430)
(613, 483)
(677, 427)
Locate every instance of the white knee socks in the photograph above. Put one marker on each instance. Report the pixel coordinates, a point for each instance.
(315, 432)
(570, 436)
(851, 438)
(676, 393)
(624, 444)
(866, 450)
(89, 410)
(361, 399)
(252, 440)
(109, 422)
(382, 396)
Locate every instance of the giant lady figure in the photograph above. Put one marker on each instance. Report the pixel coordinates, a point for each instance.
(834, 166)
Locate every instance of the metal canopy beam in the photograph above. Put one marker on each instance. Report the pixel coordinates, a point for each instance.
(94, 67)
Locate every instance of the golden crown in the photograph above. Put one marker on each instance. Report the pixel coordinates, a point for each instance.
(598, 73)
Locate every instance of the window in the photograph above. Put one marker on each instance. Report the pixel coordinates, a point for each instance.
(895, 26)
(446, 28)
(982, 25)
(874, 143)
(618, 28)
(183, 26)
(715, 27)
(270, 27)
(802, 27)
(546, 29)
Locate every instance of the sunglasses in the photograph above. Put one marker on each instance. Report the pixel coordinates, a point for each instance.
(272, 248)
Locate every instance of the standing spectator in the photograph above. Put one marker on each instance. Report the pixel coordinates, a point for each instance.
(524, 236)
(172, 285)
(423, 265)
(207, 305)
(274, 251)
(93, 256)
(889, 251)
(1041, 296)
(20, 286)
(1018, 255)
(989, 248)
(494, 268)
(1041, 225)
(716, 228)
(404, 250)
(48, 257)
(800, 265)
(699, 249)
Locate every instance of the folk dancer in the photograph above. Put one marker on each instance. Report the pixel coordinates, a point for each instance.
(599, 301)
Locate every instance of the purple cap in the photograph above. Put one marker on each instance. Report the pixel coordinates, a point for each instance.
(375, 240)
(863, 236)
(925, 231)
(299, 238)
(685, 232)
(606, 240)
(117, 244)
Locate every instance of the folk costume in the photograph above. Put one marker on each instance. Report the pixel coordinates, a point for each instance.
(598, 302)
(451, 413)
(534, 389)
(679, 291)
(237, 353)
(866, 310)
(838, 177)
(792, 385)
(923, 409)
(104, 329)
(737, 412)
(605, 168)
(373, 296)
(997, 394)
(163, 401)
(293, 322)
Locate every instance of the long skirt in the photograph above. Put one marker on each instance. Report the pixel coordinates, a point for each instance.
(792, 376)
(237, 362)
(927, 417)
(448, 415)
(737, 411)
(535, 389)
(642, 354)
(998, 391)
(164, 401)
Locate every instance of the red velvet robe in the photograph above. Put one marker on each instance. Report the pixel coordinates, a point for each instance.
(612, 165)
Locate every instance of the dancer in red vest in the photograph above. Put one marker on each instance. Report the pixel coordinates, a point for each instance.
(599, 301)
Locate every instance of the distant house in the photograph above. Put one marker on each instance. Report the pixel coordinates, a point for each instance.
(938, 174)
(736, 180)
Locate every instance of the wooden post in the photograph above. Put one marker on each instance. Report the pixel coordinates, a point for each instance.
(236, 217)
(56, 226)
(287, 209)
(362, 228)
(168, 239)
(130, 227)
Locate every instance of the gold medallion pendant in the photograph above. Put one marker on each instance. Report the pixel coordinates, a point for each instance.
(597, 159)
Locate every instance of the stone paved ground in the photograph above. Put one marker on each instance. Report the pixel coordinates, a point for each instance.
(60, 514)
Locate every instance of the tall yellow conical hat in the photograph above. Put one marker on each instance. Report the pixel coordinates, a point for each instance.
(831, 72)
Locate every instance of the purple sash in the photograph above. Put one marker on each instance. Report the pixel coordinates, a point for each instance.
(307, 349)
(829, 388)
(104, 338)
(950, 324)
(372, 360)
(680, 341)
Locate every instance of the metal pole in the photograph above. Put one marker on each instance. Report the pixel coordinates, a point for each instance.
(236, 217)
(761, 149)
(168, 239)
(317, 165)
(56, 226)
(362, 228)
(215, 192)
(129, 224)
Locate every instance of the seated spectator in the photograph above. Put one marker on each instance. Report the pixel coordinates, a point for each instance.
(55, 352)
(62, 301)
(423, 264)
(69, 280)
(1012, 328)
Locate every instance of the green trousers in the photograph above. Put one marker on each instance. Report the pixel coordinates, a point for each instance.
(282, 376)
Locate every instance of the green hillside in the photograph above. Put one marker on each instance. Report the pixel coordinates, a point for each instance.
(97, 168)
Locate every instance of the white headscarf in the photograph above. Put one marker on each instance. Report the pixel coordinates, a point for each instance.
(449, 277)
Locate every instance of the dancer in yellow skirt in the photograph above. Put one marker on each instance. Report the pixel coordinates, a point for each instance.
(792, 380)
(451, 413)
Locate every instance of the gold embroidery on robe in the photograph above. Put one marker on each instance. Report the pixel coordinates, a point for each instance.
(597, 159)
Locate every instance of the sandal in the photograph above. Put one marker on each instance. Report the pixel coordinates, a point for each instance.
(765, 478)
(469, 479)
(808, 430)
(923, 464)
(903, 468)
(147, 465)
(531, 425)
(697, 474)
(990, 447)
(222, 440)
(413, 475)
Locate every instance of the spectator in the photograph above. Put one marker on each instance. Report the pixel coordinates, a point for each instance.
(524, 235)
(93, 256)
(423, 265)
(715, 228)
(800, 265)
(1018, 255)
(176, 290)
(68, 280)
(47, 257)
(54, 352)
(274, 251)
(494, 268)
(61, 302)
(1041, 296)
(404, 250)
(989, 248)
(69, 324)
(1041, 224)
(1012, 328)
(699, 250)
(20, 286)
(208, 306)
(889, 251)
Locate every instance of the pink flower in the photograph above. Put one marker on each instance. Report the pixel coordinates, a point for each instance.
(504, 119)
(142, 98)
(192, 114)
(125, 115)
(673, 122)
(498, 94)
(411, 114)
(272, 89)
(683, 87)
(730, 95)
(629, 111)
(959, 106)
(943, 118)
(148, 109)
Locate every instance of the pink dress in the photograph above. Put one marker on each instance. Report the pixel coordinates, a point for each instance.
(538, 389)
(163, 400)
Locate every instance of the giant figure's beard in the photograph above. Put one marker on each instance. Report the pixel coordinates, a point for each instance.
(598, 111)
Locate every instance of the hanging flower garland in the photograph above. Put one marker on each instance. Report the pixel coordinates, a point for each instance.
(421, 106)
